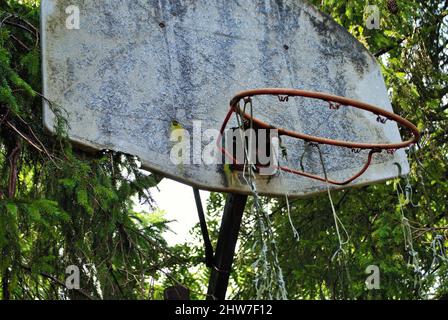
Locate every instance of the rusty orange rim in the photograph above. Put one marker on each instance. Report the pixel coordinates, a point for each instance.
(335, 102)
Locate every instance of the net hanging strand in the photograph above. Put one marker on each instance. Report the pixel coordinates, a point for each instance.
(437, 244)
(295, 232)
(410, 193)
(265, 227)
(288, 208)
(281, 294)
(240, 120)
(438, 239)
(438, 251)
(407, 235)
(407, 229)
(248, 170)
(338, 223)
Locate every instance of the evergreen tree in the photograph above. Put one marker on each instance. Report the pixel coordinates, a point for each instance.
(61, 206)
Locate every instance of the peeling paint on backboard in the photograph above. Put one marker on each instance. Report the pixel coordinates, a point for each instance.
(136, 66)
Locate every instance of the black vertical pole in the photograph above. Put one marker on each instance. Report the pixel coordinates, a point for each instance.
(225, 248)
(203, 223)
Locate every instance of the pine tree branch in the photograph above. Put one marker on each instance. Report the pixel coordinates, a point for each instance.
(59, 282)
(13, 173)
(23, 136)
(389, 48)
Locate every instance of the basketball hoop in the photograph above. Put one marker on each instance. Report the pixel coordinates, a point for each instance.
(334, 103)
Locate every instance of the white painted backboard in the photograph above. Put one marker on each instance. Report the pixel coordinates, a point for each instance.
(133, 67)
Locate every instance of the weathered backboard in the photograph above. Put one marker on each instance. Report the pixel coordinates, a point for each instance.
(133, 68)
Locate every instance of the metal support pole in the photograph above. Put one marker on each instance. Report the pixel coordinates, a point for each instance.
(225, 248)
(203, 223)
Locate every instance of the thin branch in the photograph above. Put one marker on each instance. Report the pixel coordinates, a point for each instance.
(389, 48)
(20, 42)
(23, 136)
(59, 282)
(38, 140)
(13, 160)
(18, 25)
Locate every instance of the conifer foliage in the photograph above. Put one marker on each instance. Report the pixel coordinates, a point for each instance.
(60, 206)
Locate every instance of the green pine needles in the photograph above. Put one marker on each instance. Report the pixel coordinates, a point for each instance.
(60, 206)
